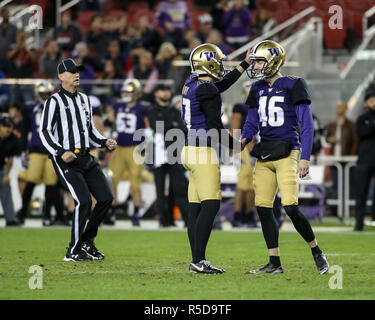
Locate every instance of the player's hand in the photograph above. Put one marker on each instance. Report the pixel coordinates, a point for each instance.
(111, 144)
(68, 156)
(303, 168)
(247, 59)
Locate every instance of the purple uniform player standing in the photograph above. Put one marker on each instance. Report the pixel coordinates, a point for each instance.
(129, 116)
(201, 111)
(280, 113)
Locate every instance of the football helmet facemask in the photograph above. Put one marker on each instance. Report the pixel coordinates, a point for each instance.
(273, 55)
(42, 89)
(207, 59)
(132, 86)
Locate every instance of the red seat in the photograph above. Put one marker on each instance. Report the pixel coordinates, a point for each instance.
(110, 6)
(134, 7)
(117, 13)
(84, 20)
(334, 38)
(194, 18)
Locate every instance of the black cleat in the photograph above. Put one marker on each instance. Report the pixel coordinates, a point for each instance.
(268, 268)
(92, 251)
(79, 255)
(204, 266)
(321, 263)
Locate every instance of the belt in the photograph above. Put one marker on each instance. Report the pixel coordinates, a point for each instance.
(81, 152)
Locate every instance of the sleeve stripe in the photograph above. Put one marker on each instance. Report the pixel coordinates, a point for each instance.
(45, 133)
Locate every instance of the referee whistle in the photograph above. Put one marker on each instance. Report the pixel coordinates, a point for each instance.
(76, 151)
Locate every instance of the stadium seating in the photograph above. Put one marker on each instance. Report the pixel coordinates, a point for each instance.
(84, 20)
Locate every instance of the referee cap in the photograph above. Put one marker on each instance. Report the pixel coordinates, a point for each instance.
(70, 66)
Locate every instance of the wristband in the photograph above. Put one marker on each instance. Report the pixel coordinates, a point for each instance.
(244, 65)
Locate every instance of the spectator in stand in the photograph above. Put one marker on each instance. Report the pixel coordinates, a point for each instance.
(217, 12)
(263, 22)
(68, 34)
(87, 74)
(112, 71)
(96, 39)
(342, 137)
(8, 34)
(87, 59)
(145, 71)
(164, 59)
(4, 94)
(173, 17)
(149, 38)
(21, 60)
(215, 37)
(236, 22)
(89, 5)
(49, 60)
(206, 25)
(164, 63)
(114, 53)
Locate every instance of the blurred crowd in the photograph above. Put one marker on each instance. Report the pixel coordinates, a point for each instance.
(118, 45)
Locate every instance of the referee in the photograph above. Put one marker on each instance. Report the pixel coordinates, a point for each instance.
(66, 129)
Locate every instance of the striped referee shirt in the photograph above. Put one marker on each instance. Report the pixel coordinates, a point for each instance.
(67, 123)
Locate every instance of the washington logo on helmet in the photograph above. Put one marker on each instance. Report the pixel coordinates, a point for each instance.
(210, 55)
(274, 51)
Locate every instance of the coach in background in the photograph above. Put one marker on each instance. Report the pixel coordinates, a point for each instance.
(365, 127)
(66, 129)
(164, 112)
(9, 147)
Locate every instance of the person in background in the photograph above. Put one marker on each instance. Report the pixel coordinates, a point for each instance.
(236, 22)
(9, 147)
(206, 25)
(8, 33)
(163, 111)
(343, 139)
(68, 34)
(365, 170)
(173, 17)
(21, 124)
(87, 74)
(49, 60)
(215, 37)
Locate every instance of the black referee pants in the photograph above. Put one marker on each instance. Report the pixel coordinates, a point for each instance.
(82, 177)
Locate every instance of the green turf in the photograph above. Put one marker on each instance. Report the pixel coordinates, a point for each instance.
(153, 265)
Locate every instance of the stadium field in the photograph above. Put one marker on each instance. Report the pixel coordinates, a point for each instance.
(148, 265)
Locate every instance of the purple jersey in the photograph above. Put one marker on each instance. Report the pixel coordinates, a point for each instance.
(192, 113)
(128, 120)
(280, 110)
(277, 107)
(34, 111)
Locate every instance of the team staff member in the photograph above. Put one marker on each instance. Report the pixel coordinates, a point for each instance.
(278, 104)
(201, 111)
(66, 130)
(39, 167)
(129, 115)
(163, 111)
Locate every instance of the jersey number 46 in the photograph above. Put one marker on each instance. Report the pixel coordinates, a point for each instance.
(269, 113)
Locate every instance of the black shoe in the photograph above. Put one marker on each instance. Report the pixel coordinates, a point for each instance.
(14, 223)
(79, 255)
(268, 268)
(204, 266)
(92, 251)
(321, 263)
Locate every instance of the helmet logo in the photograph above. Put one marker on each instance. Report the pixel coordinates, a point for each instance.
(210, 55)
(274, 51)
